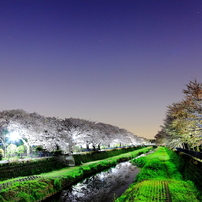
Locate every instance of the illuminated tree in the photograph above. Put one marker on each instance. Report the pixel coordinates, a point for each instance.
(20, 150)
(52, 133)
(182, 125)
(11, 149)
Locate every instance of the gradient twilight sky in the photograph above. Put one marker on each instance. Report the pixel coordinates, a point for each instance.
(119, 62)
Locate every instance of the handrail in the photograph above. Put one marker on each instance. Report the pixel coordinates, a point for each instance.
(190, 152)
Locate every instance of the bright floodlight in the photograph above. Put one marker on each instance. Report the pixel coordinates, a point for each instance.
(14, 136)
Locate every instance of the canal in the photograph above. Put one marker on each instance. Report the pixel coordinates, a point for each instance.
(101, 187)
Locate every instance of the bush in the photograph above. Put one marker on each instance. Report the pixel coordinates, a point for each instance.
(57, 152)
(39, 148)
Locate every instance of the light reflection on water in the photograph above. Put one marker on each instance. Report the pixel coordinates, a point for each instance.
(103, 186)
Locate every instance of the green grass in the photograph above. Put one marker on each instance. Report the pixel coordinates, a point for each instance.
(160, 180)
(156, 191)
(183, 191)
(55, 181)
(93, 156)
(101, 163)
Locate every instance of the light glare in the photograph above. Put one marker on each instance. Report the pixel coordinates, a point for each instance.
(14, 136)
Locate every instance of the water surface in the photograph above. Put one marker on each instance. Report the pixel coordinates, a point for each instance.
(102, 187)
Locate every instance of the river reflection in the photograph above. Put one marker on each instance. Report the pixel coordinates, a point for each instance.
(104, 186)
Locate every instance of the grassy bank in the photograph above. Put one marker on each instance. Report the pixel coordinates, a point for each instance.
(28, 167)
(50, 183)
(99, 155)
(161, 180)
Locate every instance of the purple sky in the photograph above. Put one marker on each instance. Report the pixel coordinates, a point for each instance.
(119, 62)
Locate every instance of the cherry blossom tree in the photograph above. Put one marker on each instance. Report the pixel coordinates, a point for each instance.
(182, 125)
(53, 133)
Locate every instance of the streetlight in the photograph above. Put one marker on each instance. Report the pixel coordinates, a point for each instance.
(14, 136)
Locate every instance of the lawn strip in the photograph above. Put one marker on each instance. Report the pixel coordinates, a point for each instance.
(161, 174)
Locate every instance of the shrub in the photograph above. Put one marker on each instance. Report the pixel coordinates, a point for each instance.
(39, 148)
(57, 152)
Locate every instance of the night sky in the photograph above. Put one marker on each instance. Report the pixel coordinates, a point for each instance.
(119, 62)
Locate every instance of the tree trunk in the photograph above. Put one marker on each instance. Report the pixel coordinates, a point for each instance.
(94, 149)
(57, 147)
(4, 149)
(185, 146)
(98, 146)
(197, 149)
(27, 145)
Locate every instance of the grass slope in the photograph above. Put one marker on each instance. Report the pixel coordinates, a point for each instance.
(160, 180)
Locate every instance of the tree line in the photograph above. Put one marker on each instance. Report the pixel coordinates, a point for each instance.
(52, 133)
(182, 126)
